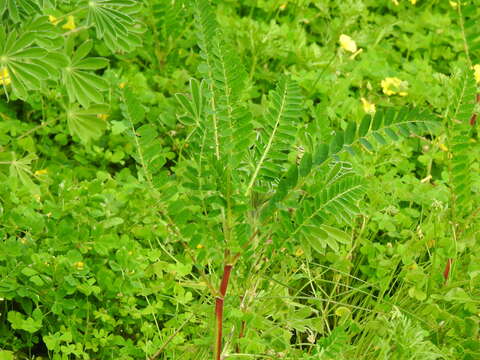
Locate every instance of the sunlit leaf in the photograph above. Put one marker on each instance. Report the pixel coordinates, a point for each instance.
(87, 124)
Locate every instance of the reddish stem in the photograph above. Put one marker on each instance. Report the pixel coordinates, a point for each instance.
(473, 119)
(242, 333)
(219, 301)
(446, 272)
(219, 317)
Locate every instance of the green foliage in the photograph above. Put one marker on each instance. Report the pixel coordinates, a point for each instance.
(348, 213)
(460, 142)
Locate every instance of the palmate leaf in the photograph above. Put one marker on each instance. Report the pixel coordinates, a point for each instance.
(87, 124)
(114, 24)
(19, 169)
(82, 85)
(25, 65)
(19, 9)
(193, 105)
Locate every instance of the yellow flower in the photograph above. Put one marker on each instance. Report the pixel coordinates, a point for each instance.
(442, 147)
(79, 265)
(368, 107)
(299, 252)
(413, 2)
(347, 43)
(41, 172)
(393, 85)
(476, 74)
(199, 246)
(70, 24)
(53, 19)
(122, 85)
(4, 76)
(283, 7)
(453, 4)
(103, 116)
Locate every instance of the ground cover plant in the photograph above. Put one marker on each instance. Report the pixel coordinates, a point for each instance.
(194, 179)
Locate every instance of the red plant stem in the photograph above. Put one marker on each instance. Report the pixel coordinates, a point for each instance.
(446, 272)
(219, 301)
(473, 119)
(219, 317)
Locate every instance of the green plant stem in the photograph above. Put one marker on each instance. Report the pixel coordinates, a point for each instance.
(170, 338)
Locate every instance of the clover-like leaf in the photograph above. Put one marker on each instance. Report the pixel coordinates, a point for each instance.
(83, 86)
(87, 124)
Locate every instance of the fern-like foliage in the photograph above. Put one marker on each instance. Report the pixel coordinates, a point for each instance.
(333, 346)
(471, 17)
(385, 126)
(278, 133)
(244, 179)
(150, 156)
(228, 122)
(336, 201)
(461, 145)
(171, 17)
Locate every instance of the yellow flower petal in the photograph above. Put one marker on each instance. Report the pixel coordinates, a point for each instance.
(413, 2)
(70, 24)
(299, 252)
(347, 43)
(200, 246)
(103, 116)
(53, 19)
(41, 172)
(4, 76)
(476, 74)
(453, 4)
(368, 107)
(79, 265)
(122, 85)
(442, 147)
(392, 85)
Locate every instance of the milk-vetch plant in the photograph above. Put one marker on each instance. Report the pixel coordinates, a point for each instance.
(243, 185)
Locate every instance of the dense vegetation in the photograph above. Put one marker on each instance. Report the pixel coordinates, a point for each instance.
(255, 179)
